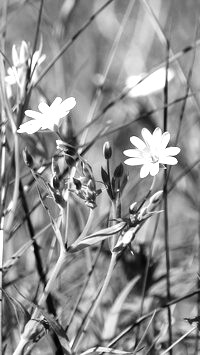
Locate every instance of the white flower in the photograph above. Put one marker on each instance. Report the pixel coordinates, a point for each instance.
(21, 60)
(151, 152)
(152, 83)
(49, 117)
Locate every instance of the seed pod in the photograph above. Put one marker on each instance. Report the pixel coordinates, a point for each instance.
(107, 150)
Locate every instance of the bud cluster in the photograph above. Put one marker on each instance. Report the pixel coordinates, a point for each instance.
(85, 186)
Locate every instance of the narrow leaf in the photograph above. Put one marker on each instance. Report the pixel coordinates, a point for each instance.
(111, 321)
(104, 176)
(100, 349)
(97, 237)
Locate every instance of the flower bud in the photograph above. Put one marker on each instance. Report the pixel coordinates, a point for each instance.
(154, 200)
(56, 182)
(119, 171)
(133, 208)
(54, 167)
(107, 150)
(77, 183)
(28, 160)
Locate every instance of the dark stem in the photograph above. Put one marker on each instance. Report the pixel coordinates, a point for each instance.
(49, 301)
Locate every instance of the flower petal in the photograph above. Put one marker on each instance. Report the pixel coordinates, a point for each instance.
(157, 135)
(171, 151)
(145, 169)
(23, 52)
(137, 142)
(68, 104)
(15, 58)
(148, 137)
(29, 127)
(165, 139)
(43, 107)
(56, 102)
(134, 161)
(154, 169)
(132, 153)
(34, 114)
(168, 160)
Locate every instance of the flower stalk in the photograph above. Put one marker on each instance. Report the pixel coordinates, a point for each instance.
(97, 302)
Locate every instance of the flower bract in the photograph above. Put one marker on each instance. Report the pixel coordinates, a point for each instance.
(151, 152)
(49, 117)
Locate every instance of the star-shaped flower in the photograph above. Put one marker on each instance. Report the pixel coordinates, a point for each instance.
(151, 152)
(49, 117)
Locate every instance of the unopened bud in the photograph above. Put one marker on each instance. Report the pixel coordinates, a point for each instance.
(60, 200)
(87, 170)
(28, 160)
(77, 183)
(91, 185)
(133, 208)
(154, 201)
(56, 182)
(119, 171)
(55, 167)
(107, 150)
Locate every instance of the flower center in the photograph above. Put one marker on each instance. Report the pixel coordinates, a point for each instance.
(154, 158)
(151, 155)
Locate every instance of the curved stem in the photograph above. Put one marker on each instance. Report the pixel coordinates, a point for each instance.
(88, 225)
(97, 302)
(31, 326)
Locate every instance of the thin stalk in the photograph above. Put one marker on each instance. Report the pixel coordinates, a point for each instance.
(148, 193)
(111, 56)
(90, 272)
(149, 113)
(126, 90)
(37, 29)
(67, 198)
(32, 324)
(162, 37)
(96, 304)
(165, 198)
(39, 266)
(2, 217)
(86, 229)
(198, 285)
(3, 183)
(144, 333)
(72, 40)
(146, 276)
(178, 341)
(149, 314)
(11, 216)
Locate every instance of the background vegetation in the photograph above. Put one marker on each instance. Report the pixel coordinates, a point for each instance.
(152, 299)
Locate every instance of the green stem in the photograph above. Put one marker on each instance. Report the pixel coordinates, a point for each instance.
(16, 186)
(97, 302)
(32, 324)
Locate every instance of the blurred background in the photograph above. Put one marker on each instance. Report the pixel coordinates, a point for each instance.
(125, 42)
